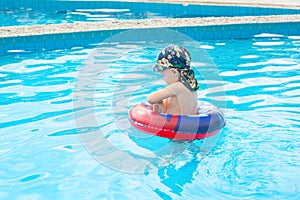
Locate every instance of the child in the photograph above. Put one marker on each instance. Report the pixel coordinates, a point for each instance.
(180, 96)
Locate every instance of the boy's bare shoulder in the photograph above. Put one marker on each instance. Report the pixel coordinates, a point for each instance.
(177, 87)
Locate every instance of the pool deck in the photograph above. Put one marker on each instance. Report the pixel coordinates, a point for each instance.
(14, 31)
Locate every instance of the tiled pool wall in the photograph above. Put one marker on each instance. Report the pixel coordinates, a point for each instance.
(84, 39)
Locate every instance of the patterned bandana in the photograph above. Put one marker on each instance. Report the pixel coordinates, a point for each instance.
(179, 58)
(173, 56)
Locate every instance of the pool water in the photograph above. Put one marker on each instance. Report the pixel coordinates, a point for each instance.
(256, 156)
(28, 16)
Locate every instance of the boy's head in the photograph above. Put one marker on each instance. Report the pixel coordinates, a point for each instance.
(178, 59)
(173, 56)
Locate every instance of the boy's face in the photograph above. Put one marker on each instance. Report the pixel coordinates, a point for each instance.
(170, 75)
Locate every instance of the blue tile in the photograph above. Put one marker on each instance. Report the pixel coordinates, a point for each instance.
(48, 40)
(236, 34)
(274, 11)
(96, 36)
(88, 41)
(244, 11)
(87, 35)
(225, 28)
(19, 43)
(59, 41)
(89, 4)
(272, 28)
(245, 33)
(30, 47)
(2, 4)
(148, 35)
(14, 4)
(19, 39)
(255, 27)
(284, 31)
(37, 6)
(199, 33)
(257, 11)
(80, 4)
(190, 32)
(28, 4)
(48, 37)
(252, 33)
(225, 11)
(59, 44)
(227, 34)
(206, 10)
(92, 37)
(293, 31)
(102, 4)
(39, 38)
(235, 11)
(78, 39)
(66, 5)
(207, 34)
(52, 5)
(269, 11)
(62, 5)
(8, 43)
(2, 47)
(174, 9)
(134, 35)
(40, 45)
(240, 11)
(68, 43)
(218, 35)
(213, 31)
(105, 35)
(2, 50)
(248, 11)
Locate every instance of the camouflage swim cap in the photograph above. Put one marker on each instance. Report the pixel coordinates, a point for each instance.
(173, 56)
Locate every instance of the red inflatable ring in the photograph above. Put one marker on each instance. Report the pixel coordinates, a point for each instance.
(180, 127)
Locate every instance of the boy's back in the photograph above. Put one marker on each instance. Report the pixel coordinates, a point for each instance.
(184, 102)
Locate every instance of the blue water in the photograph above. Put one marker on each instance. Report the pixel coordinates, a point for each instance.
(28, 16)
(50, 99)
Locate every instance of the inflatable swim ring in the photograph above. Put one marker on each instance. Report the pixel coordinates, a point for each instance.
(180, 127)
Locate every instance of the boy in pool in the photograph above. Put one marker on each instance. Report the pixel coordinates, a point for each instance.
(180, 96)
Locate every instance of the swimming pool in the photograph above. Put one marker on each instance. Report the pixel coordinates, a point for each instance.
(64, 127)
(43, 155)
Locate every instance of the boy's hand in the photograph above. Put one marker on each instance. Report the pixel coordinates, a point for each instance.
(158, 107)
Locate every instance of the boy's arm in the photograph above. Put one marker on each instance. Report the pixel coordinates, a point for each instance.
(160, 95)
(169, 91)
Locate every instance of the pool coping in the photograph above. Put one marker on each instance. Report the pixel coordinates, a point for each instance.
(15, 31)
